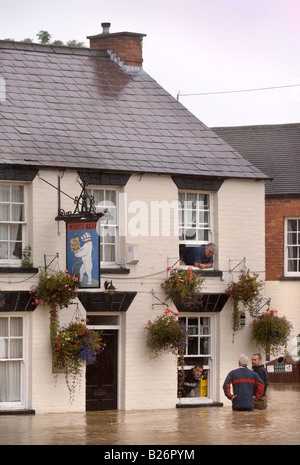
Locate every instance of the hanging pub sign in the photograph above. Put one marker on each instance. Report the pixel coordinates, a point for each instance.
(83, 255)
(83, 241)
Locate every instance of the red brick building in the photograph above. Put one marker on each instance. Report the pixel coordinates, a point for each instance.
(275, 150)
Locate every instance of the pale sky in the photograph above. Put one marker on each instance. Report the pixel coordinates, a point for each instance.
(192, 47)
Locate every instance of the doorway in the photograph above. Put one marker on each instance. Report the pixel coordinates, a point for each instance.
(101, 377)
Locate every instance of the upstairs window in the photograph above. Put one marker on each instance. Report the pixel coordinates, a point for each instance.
(195, 214)
(12, 223)
(292, 247)
(108, 225)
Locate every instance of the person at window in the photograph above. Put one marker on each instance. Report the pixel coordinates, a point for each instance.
(246, 386)
(192, 382)
(201, 257)
(259, 368)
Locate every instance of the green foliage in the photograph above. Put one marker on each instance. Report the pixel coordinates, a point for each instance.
(44, 37)
(56, 290)
(271, 332)
(75, 345)
(75, 43)
(26, 257)
(183, 286)
(165, 333)
(247, 292)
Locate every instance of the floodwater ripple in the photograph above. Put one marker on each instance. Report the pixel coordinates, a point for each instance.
(279, 424)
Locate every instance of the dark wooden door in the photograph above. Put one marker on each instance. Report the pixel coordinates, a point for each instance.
(101, 377)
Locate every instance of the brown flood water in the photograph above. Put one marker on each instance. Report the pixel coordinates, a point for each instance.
(279, 424)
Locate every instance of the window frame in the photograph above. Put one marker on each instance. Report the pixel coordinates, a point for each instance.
(15, 405)
(184, 225)
(210, 366)
(116, 226)
(16, 262)
(287, 246)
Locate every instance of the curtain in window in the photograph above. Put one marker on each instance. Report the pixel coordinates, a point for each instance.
(11, 358)
(107, 199)
(10, 381)
(11, 218)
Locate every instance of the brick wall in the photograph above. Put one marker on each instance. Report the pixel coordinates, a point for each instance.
(126, 46)
(276, 211)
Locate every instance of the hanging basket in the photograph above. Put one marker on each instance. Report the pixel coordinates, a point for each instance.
(183, 287)
(165, 334)
(245, 292)
(57, 289)
(76, 345)
(271, 332)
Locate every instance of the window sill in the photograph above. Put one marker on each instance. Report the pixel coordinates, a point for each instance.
(18, 269)
(289, 278)
(197, 402)
(119, 270)
(203, 272)
(17, 412)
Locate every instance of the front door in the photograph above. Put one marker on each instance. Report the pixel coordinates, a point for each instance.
(101, 377)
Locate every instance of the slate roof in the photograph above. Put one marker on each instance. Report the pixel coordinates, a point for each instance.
(75, 107)
(274, 149)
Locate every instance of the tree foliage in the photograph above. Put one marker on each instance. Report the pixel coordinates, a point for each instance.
(44, 37)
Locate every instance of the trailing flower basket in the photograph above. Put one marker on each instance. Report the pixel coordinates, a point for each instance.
(246, 291)
(271, 332)
(183, 287)
(73, 345)
(76, 345)
(57, 290)
(165, 334)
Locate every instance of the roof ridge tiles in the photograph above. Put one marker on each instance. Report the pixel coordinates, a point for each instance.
(49, 48)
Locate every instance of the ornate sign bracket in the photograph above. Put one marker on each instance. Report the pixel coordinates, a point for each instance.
(85, 209)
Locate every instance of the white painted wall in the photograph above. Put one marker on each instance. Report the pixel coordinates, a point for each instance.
(144, 382)
(240, 234)
(285, 298)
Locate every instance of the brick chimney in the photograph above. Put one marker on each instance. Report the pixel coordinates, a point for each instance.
(127, 46)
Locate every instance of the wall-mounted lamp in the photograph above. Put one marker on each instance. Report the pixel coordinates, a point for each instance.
(109, 287)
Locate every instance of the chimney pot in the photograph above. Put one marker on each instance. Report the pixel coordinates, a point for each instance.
(105, 27)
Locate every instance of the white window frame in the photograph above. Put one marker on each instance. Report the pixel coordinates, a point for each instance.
(288, 246)
(197, 209)
(104, 226)
(21, 404)
(24, 224)
(211, 366)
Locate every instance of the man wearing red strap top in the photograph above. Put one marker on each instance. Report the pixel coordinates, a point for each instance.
(245, 383)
